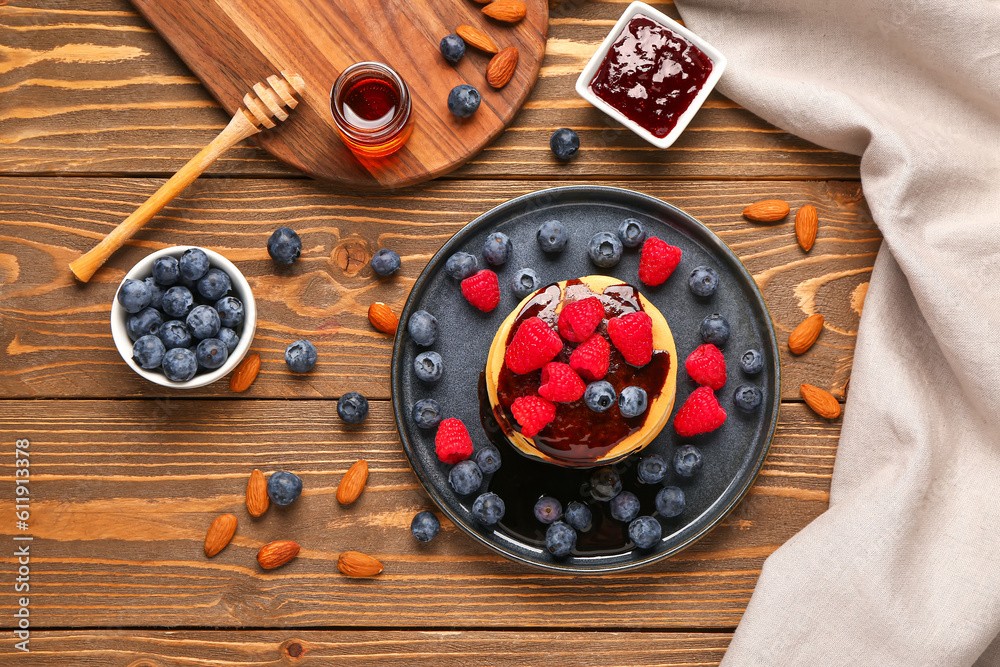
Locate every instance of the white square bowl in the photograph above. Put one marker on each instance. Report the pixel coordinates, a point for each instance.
(583, 82)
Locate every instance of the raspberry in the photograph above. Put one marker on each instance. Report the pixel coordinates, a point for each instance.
(657, 261)
(707, 366)
(579, 319)
(482, 290)
(590, 359)
(632, 334)
(560, 383)
(533, 413)
(700, 413)
(534, 345)
(452, 442)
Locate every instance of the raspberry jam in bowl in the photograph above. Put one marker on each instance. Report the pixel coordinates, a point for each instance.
(651, 74)
(371, 108)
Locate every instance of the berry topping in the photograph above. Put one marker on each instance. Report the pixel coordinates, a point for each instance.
(560, 383)
(632, 334)
(632, 402)
(657, 260)
(452, 442)
(564, 142)
(707, 366)
(534, 345)
(532, 413)
(579, 319)
(700, 413)
(599, 396)
(482, 290)
(590, 359)
(703, 281)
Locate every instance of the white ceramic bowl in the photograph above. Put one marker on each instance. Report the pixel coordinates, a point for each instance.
(583, 82)
(241, 288)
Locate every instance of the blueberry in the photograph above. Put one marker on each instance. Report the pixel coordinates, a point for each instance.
(747, 397)
(465, 477)
(715, 330)
(599, 395)
(166, 272)
(548, 509)
(497, 248)
(564, 142)
(147, 321)
(174, 334)
(651, 469)
(427, 413)
(425, 526)
(703, 281)
(488, 459)
(631, 232)
(752, 362)
(687, 460)
(560, 539)
(428, 366)
(300, 356)
(524, 283)
(284, 246)
(604, 249)
(605, 484)
(552, 236)
(230, 311)
(148, 352)
(211, 353)
(179, 364)
(283, 487)
(579, 516)
(670, 502)
(632, 401)
(203, 322)
(133, 295)
(423, 328)
(461, 265)
(178, 301)
(352, 407)
(624, 506)
(452, 48)
(193, 264)
(645, 532)
(386, 262)
(488, 509)
(156, 293)
(229, 339)
(463, 100)
(214, 284)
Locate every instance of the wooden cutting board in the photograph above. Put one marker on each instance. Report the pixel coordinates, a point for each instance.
(231, 44)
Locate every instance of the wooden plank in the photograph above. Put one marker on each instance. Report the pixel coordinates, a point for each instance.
(405, 649)
(56, 335)
(91, 88)
(123, 491)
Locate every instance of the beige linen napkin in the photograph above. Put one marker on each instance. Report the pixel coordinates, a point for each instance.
(904, 568)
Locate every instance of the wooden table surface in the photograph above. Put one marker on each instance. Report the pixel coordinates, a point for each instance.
(95, 111)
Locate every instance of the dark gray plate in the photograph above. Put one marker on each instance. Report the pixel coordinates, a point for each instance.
(733, 454)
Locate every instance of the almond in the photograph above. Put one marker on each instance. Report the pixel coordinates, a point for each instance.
(821, 401)
(277, 553)
(382, 318)
(357, 564)
(257, 500)
(508, 11)
(476, 38)
(353, 483)
(219, 533)
(769, 210)
(806, 226)
(805, 334)
(501, 67)
(245, 373)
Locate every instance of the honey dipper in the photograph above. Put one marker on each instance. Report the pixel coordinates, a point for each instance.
(248, 121)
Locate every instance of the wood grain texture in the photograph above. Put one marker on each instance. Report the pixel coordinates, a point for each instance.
(120, 648)
(57, 339)
(91, 88)
(122, 493)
